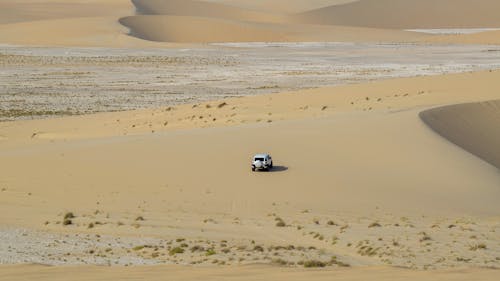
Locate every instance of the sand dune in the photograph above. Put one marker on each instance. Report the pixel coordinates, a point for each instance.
(406, 14)
(281, 6)
(361, 184)
(86, 31)
(66, 23)
(473, 126)
(35, 10)
(200, 29)
(94, 23)
(202, 9)
(202, 22)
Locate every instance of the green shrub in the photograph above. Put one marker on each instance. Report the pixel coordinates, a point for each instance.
(175, 251)
(210, 252)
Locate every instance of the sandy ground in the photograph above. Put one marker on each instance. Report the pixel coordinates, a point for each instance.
(162, 24)
(245, 273)
(392, 179)
(468, 125)
(115, 177)
(407, 14)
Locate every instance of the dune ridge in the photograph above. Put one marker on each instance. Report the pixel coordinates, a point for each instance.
(201, 9)
(407, 14)
(472, 126)
(281, 6)
(209, 22)
(197, 29)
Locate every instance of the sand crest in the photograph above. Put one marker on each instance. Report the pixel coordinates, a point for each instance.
(407, 14)
(473, 126)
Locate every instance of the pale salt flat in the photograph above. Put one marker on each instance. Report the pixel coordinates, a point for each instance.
(85, 80)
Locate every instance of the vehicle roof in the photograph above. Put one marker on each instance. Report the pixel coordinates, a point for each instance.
(263, 155)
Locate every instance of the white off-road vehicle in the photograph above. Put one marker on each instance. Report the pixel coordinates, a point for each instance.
(262, 162)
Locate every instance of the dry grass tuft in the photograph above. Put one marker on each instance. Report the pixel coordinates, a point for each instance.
(476, 247)
(314, 263)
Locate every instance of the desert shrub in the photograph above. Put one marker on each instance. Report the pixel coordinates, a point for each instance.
(258, 248)
(476, 247)
(138, 248)
(425, 237)
(210, 252)
(175, 251)
(69, 215)
(331, 223)
(279, 261)
(280, 224)
(375, 224)
(314, 263)
(197, 248)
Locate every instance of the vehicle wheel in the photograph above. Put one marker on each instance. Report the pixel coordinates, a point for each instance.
(271, 166)
(253, 169)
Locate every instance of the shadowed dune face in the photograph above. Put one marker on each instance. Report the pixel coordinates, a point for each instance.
(211, 21)
(473, 126)
(281, 6)
(196, 29)
(201, 9)
(406, 14)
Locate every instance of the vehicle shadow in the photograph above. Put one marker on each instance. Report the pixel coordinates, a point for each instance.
(278, 169)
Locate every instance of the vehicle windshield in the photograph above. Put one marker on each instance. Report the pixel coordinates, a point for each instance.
(259, 159)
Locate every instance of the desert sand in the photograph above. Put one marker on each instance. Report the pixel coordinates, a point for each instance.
(200, 21)
(469, 126)
(407, 14)
(377, 175)
(110, 162)
(163, 23)
(247, 273)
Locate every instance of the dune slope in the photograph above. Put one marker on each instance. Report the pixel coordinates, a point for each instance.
(36, 10)
(197, 29)
(405, 14)
(473, 126)
(187, 29)
(202, 22)
(201, 9)
(281, 6)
